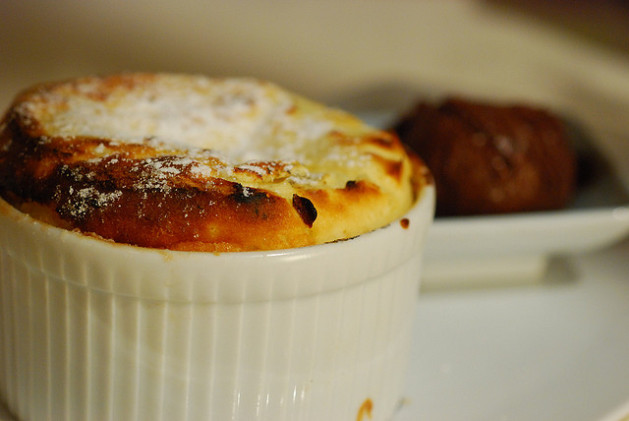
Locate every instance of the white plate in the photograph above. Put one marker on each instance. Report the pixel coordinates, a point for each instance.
(515, 248)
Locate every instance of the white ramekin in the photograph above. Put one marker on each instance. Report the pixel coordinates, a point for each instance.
(92, 330)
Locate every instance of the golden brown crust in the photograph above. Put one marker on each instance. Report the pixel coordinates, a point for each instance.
(191, 163)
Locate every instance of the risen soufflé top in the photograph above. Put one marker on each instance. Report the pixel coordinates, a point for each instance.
(187, 162)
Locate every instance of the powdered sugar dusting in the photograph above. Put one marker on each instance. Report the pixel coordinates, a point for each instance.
(85, 200)
(253, 168)
(205, 128)
(244, 119)
(157, 173)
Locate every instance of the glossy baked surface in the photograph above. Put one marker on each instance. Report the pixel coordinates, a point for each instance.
(192, 163)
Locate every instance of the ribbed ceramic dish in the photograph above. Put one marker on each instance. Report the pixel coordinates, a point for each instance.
(92, 330)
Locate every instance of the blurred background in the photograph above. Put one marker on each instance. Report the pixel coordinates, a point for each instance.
(572, 56)
(358, 52)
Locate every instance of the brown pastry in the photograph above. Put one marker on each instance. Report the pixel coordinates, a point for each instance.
(193, 163)
(489, 158)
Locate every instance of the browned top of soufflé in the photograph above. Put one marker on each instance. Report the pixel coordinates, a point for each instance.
(188, 162)
(491, 158)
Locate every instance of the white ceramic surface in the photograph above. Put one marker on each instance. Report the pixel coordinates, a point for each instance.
(91, 330)
(504, 250)
(554, 350)
(516, 248)
(551, 351)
